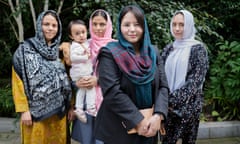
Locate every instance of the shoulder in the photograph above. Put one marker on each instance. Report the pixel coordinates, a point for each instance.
(64, 46)
(168, 47)
(199, 48)
(166, 50)
(21, 47)
(112, 44)
(108, 49)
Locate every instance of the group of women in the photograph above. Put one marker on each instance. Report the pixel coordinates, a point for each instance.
(130, 75)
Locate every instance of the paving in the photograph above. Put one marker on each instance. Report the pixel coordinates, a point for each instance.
(209, 133)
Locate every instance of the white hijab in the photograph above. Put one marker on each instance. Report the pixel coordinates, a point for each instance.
(177, 61)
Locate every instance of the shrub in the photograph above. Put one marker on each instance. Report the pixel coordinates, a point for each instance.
(223, 87)
(6, 99)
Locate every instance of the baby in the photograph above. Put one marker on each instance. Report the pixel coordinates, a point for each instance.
(81, 66)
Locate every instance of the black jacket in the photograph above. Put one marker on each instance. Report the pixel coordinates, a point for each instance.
(118, 112)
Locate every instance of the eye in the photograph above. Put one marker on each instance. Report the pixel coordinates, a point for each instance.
(136, 24)
(181, 24)
(46, 24)
(102, 24)
(54, 25)
(126, 24)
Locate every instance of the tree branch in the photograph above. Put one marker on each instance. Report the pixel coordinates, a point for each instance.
(46, 3)
(11, 24)
(60, 7)
(33, 14)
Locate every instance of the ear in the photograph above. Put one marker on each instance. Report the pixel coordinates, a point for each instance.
(70, 36)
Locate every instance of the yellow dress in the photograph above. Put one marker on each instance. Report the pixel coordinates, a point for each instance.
(52, 130)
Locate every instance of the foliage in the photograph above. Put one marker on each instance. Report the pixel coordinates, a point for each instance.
(223, 86)
(6, 99)
(6, 61)
(159, 13)
(225, 11)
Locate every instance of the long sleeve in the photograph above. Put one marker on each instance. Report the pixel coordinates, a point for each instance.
(161, 102)
(19, 97)
(78, 53)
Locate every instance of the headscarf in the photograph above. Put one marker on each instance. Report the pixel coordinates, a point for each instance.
(139, 70)
(95, 44)
(177, 61)
(39, 40)
(46, 83)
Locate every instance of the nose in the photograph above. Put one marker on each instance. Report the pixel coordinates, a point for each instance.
(98, 27)
(177, 27)
(132, 27)
(51, 27)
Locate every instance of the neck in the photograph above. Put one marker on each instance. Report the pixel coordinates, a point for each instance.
(137, 49)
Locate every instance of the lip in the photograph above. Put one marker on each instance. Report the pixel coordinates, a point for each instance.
(132, 36)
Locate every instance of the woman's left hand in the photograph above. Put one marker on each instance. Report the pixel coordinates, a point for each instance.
(87, 82)
(154, 125)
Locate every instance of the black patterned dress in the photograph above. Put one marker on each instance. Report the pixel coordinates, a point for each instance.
(186, 102)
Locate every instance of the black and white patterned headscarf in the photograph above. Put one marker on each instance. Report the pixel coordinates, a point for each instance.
(46, 83)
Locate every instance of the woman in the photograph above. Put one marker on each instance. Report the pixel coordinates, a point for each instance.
(186, 64)
(132, 77)
(41, 87)
(100, 27)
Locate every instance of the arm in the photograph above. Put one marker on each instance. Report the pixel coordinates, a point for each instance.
(20, 99)
(161, 100)
(78, 54)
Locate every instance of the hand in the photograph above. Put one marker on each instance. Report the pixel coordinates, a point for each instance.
(26, 118)
(154, 125)
(87, 82)
(142, 127)
(71, 115)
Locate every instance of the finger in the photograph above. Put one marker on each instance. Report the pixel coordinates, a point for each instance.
(30, 122)
(150, 133)
(27, 123)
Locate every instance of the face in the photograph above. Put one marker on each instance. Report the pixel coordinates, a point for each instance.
(78, 33)
(178, 26)
(99, 25)
(49, 27)
(131, 29)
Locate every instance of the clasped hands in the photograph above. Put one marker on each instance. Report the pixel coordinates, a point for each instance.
(148, 127)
